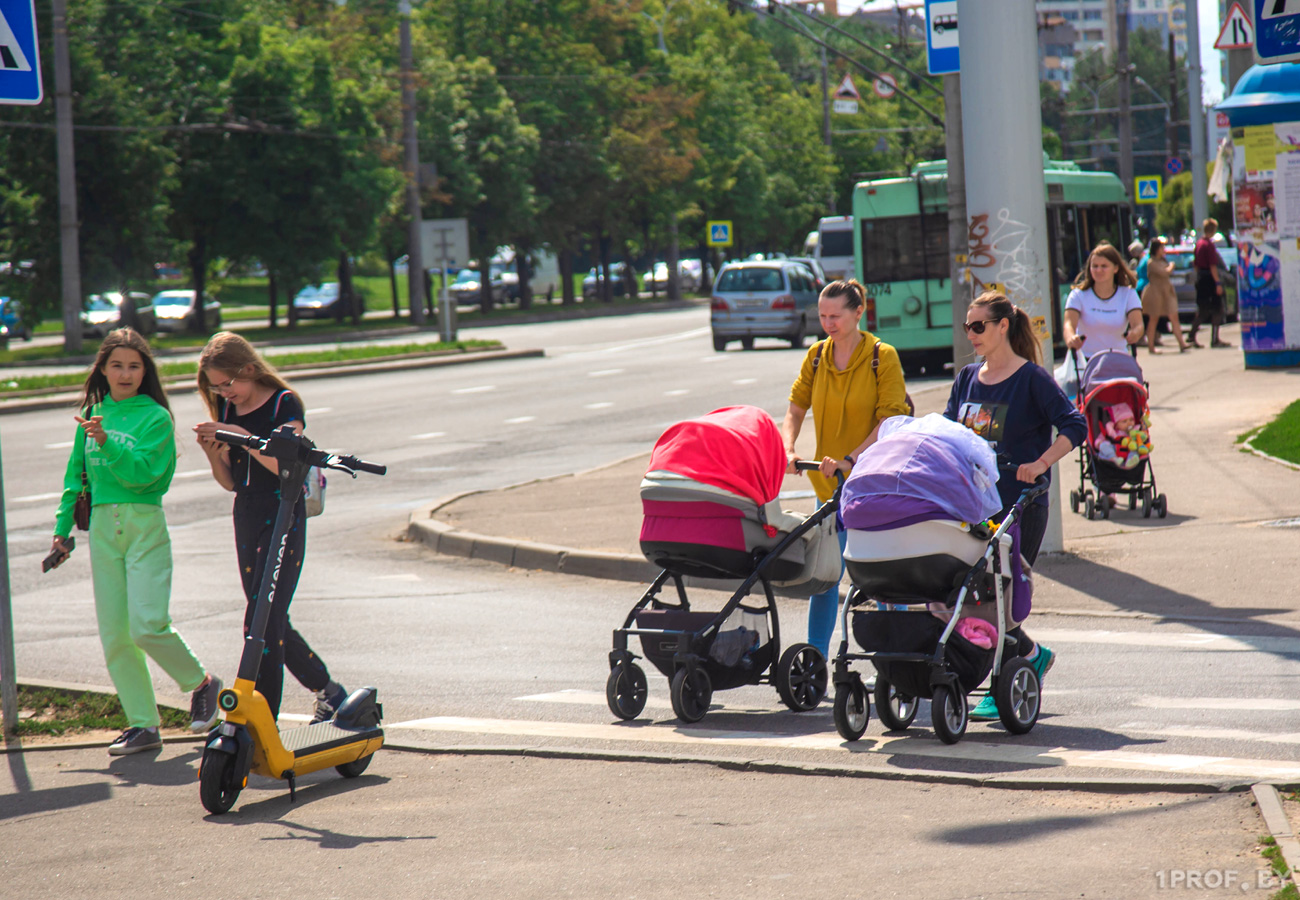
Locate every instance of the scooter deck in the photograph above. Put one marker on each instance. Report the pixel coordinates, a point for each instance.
(322, 736)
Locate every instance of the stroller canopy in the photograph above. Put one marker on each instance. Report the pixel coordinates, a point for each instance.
(920, 469)
(737, 448)
(1109, 365)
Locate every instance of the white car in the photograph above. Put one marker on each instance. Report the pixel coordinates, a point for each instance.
(175, 311)
(318, 301)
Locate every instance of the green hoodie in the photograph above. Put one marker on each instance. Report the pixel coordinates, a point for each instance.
(134, 465)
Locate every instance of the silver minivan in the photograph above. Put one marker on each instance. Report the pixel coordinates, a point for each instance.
(774, 298)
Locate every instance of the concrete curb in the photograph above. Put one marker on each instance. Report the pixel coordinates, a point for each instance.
(1270, 807)
(437, 360)
(830, 770)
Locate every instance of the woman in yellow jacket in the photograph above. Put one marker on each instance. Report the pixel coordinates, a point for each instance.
(851, 383)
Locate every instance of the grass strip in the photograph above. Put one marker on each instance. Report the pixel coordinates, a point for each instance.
(53, 711)
(340, 353)
(1281, 437)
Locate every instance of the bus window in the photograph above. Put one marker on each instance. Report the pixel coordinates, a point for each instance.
(892, 248)
(1104, 225)
(837, 243)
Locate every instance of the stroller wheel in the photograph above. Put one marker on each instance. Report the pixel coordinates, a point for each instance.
(1087, 507)
(1074, 501)
(852, 710)
(1147, 504)
(626, 691)
(1018, 695)
(691, 693)
(1132, 499)
(801, 677)
(1106, 505)
(948, 714)
(896, 710)
(1162, 506)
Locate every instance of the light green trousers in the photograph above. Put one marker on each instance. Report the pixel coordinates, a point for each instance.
(131, 566)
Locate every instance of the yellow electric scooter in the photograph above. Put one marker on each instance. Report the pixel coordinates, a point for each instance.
(248, 740)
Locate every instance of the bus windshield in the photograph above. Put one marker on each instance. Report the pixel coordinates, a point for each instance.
(837, 243)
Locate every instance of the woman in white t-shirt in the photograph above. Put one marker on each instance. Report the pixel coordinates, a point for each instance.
(1104, 311)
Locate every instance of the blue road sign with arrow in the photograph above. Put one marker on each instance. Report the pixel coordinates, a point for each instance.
(1277, 31)
(20, 62)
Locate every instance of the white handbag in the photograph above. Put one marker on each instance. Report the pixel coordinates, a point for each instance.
(314, 491)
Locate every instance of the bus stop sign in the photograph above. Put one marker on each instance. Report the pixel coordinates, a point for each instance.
(942, 56)
(1277, 31)
(20, 62)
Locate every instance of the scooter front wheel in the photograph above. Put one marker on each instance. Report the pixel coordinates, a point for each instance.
(219, 783)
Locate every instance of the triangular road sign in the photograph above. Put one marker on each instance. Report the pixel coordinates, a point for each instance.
(11, 55)
(1237, 33)
(847, 90)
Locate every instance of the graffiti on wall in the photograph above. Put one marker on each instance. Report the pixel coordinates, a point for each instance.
(1000, 256)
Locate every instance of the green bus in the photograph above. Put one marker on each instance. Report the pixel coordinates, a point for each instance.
(900, 246)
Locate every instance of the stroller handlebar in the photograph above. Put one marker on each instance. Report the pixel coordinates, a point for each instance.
(808, 465)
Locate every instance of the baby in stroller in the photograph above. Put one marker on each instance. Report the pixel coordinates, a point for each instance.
(915, 508)
(710, 511)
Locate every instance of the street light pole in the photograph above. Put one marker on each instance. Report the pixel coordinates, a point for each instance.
(1196, 118)
(1124, 72)
(69, 241)
(414, 256)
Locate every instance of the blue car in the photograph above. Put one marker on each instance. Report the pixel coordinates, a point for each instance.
(11, 319)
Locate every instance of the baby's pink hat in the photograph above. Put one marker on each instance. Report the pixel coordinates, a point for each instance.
(1121, 411)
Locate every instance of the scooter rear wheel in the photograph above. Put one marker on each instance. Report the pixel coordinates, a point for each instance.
(356, 767)
(219, 784)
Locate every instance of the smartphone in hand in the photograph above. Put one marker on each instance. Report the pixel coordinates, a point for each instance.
(56, 557)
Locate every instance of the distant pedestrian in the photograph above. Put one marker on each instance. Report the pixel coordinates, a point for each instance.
(125, 453)
(1103, 312)
(1160, 300)
(851, 382)
(244, 394)
(1209, 285)
(1022, 404)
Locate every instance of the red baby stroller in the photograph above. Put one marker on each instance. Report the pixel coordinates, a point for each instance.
(1111, 388)
(710, 511)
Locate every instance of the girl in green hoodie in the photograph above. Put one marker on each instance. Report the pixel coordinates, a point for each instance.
(126, 450)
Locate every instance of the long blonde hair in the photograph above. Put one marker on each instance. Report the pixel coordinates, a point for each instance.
(230, 352)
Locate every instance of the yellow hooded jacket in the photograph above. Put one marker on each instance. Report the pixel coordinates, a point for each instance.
(847, 404)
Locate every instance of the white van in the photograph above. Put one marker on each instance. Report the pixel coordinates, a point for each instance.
(835, 246)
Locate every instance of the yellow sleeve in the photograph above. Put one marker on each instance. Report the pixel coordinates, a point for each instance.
(891, 389)
(801, 390)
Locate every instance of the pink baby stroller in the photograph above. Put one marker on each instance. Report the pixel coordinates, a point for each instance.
(1111, 385)
(710, 511)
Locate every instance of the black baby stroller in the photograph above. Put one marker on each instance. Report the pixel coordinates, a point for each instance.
(1111, 390)
(906, 547)
(710, 511)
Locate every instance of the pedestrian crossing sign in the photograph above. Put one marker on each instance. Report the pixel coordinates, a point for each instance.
(1147, 188)
(719, 234)
(20, 64)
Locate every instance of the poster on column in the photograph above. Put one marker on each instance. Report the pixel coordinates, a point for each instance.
(1286, 179)
(1259, 295)
(1289, 275)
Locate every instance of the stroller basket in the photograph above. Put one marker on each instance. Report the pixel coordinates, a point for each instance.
(736, 654)
(918, 633)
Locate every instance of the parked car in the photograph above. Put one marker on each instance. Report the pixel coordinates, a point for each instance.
(617, 275)
(104, 312)
(689, 273)
(819, 274)
(318, 301)
(167, 272)
(468, 284)
(11, 321)
(175, 311)
(1184, 278)
(775, 298)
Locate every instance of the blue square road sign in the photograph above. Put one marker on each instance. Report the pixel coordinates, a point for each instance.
(942, 56)
(20, 62)
(719, 233)
(1277, 31)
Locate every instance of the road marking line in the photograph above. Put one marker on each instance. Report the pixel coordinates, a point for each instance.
(61, 445)
(519, 420)
(680, 392)
(1229, 703)
(32, 498)
(318, 411)
(595, 698)
(1185, 640)
(192, 473)
(601, 405)
(475, 390)
(745, 381)
(603, 372)
(671, 732)
(428, 435)
(1207, 733)
(647, 342)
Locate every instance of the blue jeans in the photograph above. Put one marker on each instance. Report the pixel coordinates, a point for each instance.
(824, 607)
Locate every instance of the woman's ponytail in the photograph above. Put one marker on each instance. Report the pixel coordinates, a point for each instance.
(1021, 336)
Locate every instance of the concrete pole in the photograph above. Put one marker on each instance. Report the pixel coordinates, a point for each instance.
(8, 667)
(963, 354)
(1006, 200)
(414, 257)
(1196, 118)
(1173, 100)
(826, 128)
(69, 239)
(1124, 74)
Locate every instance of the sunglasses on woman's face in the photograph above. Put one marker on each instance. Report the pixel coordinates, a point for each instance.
(979, 325)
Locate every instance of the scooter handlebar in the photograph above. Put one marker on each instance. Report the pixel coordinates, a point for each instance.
(360, 465)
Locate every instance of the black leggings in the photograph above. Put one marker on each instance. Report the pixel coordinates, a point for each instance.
(254, 524)
(1033, 525)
